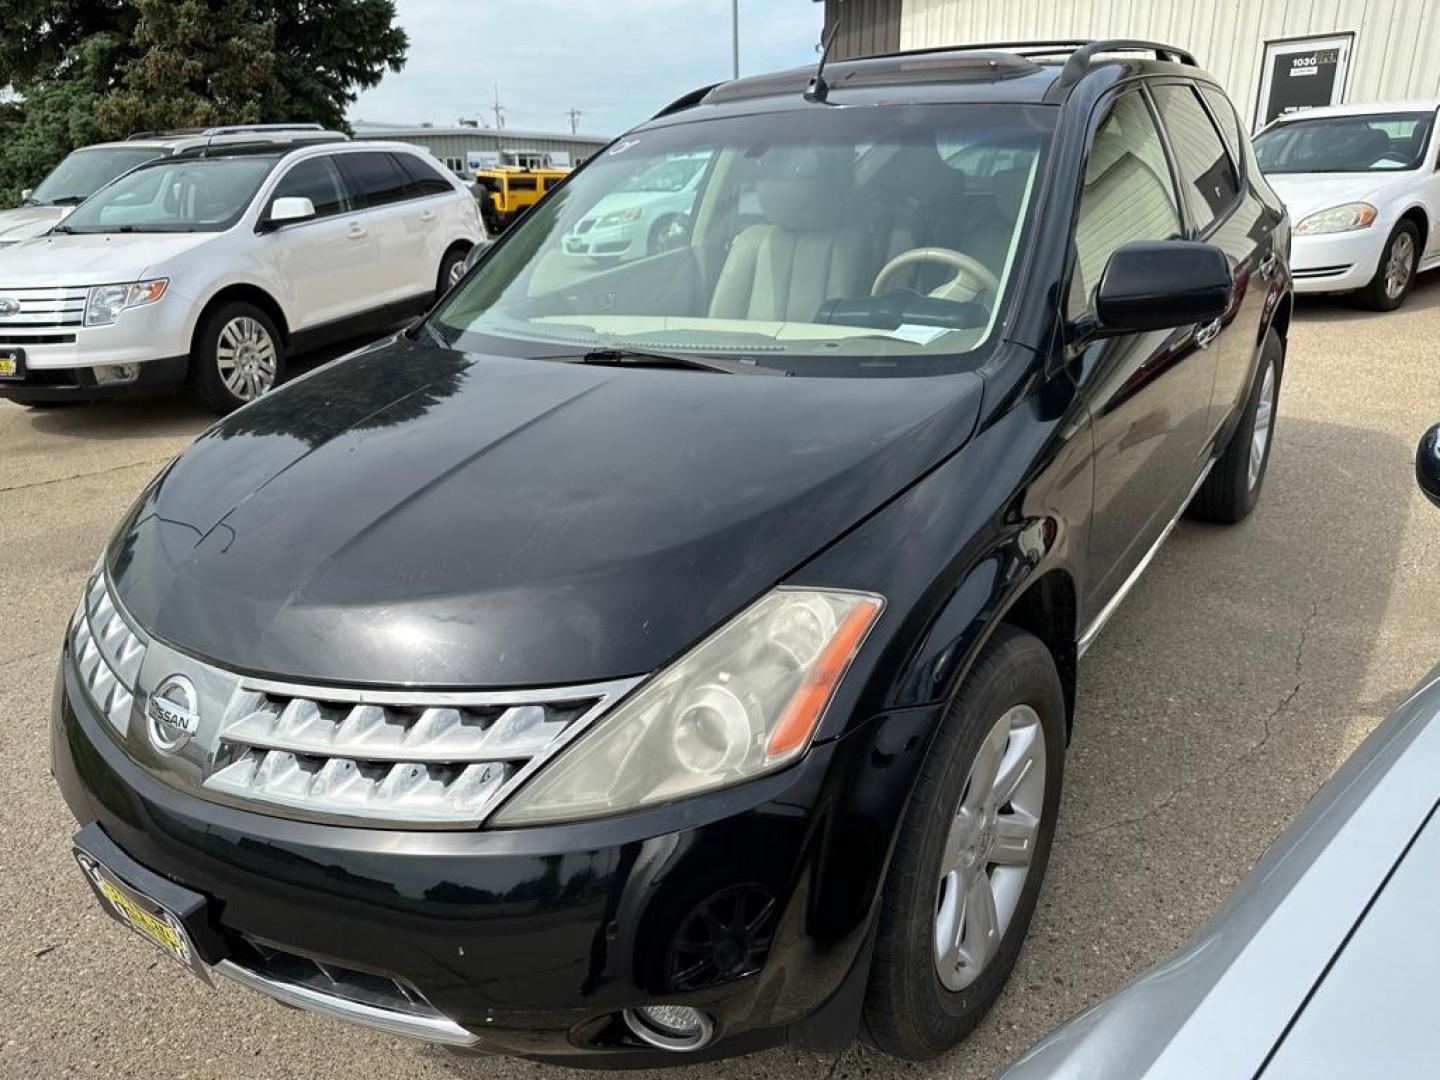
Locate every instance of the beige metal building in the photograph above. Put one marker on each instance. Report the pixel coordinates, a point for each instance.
(1272, 55)
(464, 149)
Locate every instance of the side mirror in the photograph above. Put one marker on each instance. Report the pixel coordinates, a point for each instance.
(25, 194)
(1158, 285)
(288, 210)
(476, 253)
(1427, 464)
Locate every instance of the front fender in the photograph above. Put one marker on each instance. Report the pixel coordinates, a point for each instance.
(954, 553)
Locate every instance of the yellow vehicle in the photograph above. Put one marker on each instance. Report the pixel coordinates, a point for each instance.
(505, 192)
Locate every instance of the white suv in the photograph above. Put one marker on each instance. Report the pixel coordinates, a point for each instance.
(85, 171)
(208, 267)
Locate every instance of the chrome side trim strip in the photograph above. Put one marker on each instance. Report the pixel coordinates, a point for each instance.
(1098, 623)
(434, 1029)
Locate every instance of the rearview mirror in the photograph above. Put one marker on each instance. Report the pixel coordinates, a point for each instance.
(1427, 464)
(288, 210)
(1158, 285)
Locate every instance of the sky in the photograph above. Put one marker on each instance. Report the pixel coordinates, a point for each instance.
(617, 61)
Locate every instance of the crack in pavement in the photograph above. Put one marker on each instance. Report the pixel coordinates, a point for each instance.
(11, 661)
(1251, 750)
(83, 475)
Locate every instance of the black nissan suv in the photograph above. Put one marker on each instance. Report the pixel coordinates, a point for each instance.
(668, 645)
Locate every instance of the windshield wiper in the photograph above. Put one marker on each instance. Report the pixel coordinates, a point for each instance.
(65, 200)
(611, 356)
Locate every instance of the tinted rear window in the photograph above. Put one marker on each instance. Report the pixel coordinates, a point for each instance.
(424, 178)
(374, 178)
(1207, 176)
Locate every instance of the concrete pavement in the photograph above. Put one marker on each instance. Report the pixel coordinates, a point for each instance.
(1245, 667)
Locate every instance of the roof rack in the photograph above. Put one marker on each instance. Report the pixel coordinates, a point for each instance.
(1080, 60)
(255, 129)
(222, 129)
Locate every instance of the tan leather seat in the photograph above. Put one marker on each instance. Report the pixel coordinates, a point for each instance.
(811, 248)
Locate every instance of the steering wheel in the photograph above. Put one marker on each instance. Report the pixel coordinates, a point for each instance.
(972, 277)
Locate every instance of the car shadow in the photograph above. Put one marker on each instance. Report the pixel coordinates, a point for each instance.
(1341, 307)
(163, 413)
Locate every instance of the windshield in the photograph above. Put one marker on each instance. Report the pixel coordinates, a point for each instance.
(1380, 142)
(85, 172)
(174, 195)
(822, 241)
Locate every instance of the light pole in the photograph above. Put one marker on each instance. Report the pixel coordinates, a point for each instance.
(735, 35)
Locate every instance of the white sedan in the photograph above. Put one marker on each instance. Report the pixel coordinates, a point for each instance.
(1361, 185)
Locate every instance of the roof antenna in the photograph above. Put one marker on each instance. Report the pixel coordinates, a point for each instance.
(819, 90)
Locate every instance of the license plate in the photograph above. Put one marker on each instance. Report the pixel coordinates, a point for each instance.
(12, 364)
(133, 909)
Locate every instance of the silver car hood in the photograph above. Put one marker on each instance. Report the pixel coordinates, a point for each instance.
(1224, 1003)
(29, 221)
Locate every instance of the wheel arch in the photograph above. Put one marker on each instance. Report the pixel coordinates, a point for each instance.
(250, 294)
(1416, 214)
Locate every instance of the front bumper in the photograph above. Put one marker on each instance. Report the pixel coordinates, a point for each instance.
(80, 384)
(1337, 262)
(533, 942)
(142, 335)
(614, 242)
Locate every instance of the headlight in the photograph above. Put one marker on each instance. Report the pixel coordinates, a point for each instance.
(1355, 215)
(742, 703)
(619, 217)
(105, 302)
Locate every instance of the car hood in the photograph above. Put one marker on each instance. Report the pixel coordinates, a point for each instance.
(1305, 193)
(94, 258)
(29, 221)
(415, 515)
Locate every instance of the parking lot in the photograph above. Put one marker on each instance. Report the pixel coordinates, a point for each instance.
(1245, 667)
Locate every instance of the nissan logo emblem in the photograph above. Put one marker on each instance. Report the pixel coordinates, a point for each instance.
(173, 714)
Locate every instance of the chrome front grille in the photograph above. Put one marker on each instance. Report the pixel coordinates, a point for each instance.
(398, 758)
(108, 652)
(388, 760)
(60, 306)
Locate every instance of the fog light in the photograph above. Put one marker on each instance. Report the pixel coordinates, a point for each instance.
(670, 1027)
(116, 374)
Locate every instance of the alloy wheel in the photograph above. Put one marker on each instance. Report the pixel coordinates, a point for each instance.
(1399, 265)
(1264, 422)
(989, 847)
(246, 357)
(457, 271)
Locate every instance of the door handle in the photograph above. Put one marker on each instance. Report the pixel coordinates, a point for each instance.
(1206, 335)
(357, 231)
(428, 215)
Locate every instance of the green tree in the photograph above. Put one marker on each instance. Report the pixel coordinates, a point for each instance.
(325, 53)
(85, 70)
(55, 116)
(194, 63)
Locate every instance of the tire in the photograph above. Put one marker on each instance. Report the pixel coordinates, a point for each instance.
(1396, 273)
(452, 269)
(1233, 488)
(912, 1009)
(245, 329)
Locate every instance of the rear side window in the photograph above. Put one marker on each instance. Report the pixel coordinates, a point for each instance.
(1128, 194)
(1224, 112)
(522, 183)
(373, 178)
(424, 178)
(1207, 176)
(317, 180)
